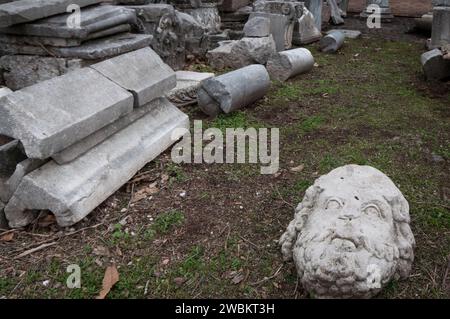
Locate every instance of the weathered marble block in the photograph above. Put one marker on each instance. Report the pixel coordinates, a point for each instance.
(233, 90)
(350, 34)
(81, 102)
(73, 190)
(257, 27)
(92, 20)
(3, 222)
(335, 12)
(239, 53)
(102, 48)
(440, 34)
(79, 148)
(141, 72)
(20, 71)
(315, 7)
(385, 12)
(305, 30)
(30, 10)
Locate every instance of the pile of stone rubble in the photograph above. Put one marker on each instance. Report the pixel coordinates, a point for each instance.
(436, 62)
(77, 138)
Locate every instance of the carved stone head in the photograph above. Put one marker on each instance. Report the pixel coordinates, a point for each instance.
(350, 235)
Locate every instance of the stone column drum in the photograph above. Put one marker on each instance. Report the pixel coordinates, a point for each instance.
(287, 64)
(233, 90)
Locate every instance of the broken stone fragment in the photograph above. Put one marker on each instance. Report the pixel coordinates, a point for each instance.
(140, 72)
(73, 190)
(82, 102)
(9, 185)
(286, 64)
(305, 30)
(440, 34)
(336, 16)
(90, 50)
(239, 53)
(257, 27)
(435, 66)
(25, 70)
(233, 90)
(332, 42)
(93, 19)
(315, 7)
(350, 34)
(30, 10)
(185, 93)
(281, 28)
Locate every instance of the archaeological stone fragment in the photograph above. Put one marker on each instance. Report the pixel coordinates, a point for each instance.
(435, 66)
(141, 72)
(383, 10)
(350, 34)
(93, 19)
(332, 42)
(305, 30)
(350, 235)
(257, 27)
(73, 190)
(440, 34)
(239, 53)
(29, 10)
(186, 91)
(286, 64)
(233, 90)
(81, 102)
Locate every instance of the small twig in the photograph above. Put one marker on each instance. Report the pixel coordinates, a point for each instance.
(249, 242)
(281, 197)
(131, 197)
(8, 232)
(33, 250)
(267, 278)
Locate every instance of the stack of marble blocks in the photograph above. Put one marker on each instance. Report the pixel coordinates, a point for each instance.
(43, 39)
(68, 143)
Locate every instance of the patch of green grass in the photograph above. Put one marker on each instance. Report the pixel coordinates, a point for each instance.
(311, 123)
(164, 223)
(237, 119)
(176, 173)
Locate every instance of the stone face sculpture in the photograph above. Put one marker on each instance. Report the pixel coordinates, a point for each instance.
(350, 235)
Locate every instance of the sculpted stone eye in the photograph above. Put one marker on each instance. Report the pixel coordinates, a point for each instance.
(333, 204)
(374, 211)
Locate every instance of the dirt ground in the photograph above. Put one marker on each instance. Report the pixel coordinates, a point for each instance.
(211, 231)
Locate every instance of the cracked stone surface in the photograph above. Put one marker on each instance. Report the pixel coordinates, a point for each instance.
(73, 190)
(350, 235)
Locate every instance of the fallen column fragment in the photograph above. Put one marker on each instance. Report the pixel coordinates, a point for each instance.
(186, 91)
(30, 10)
(233, 90)
(73, 190)
(350, 34)
(81, 102)
(287, 64)
(332, 42)
(141, 72)
(435, 66)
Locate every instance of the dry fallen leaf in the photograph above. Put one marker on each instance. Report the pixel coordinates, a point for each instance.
(298, 168)
(145, 192)
(7, 237)
(110, 279)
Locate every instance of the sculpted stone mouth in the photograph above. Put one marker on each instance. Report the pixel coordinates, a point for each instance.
(347, 243)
